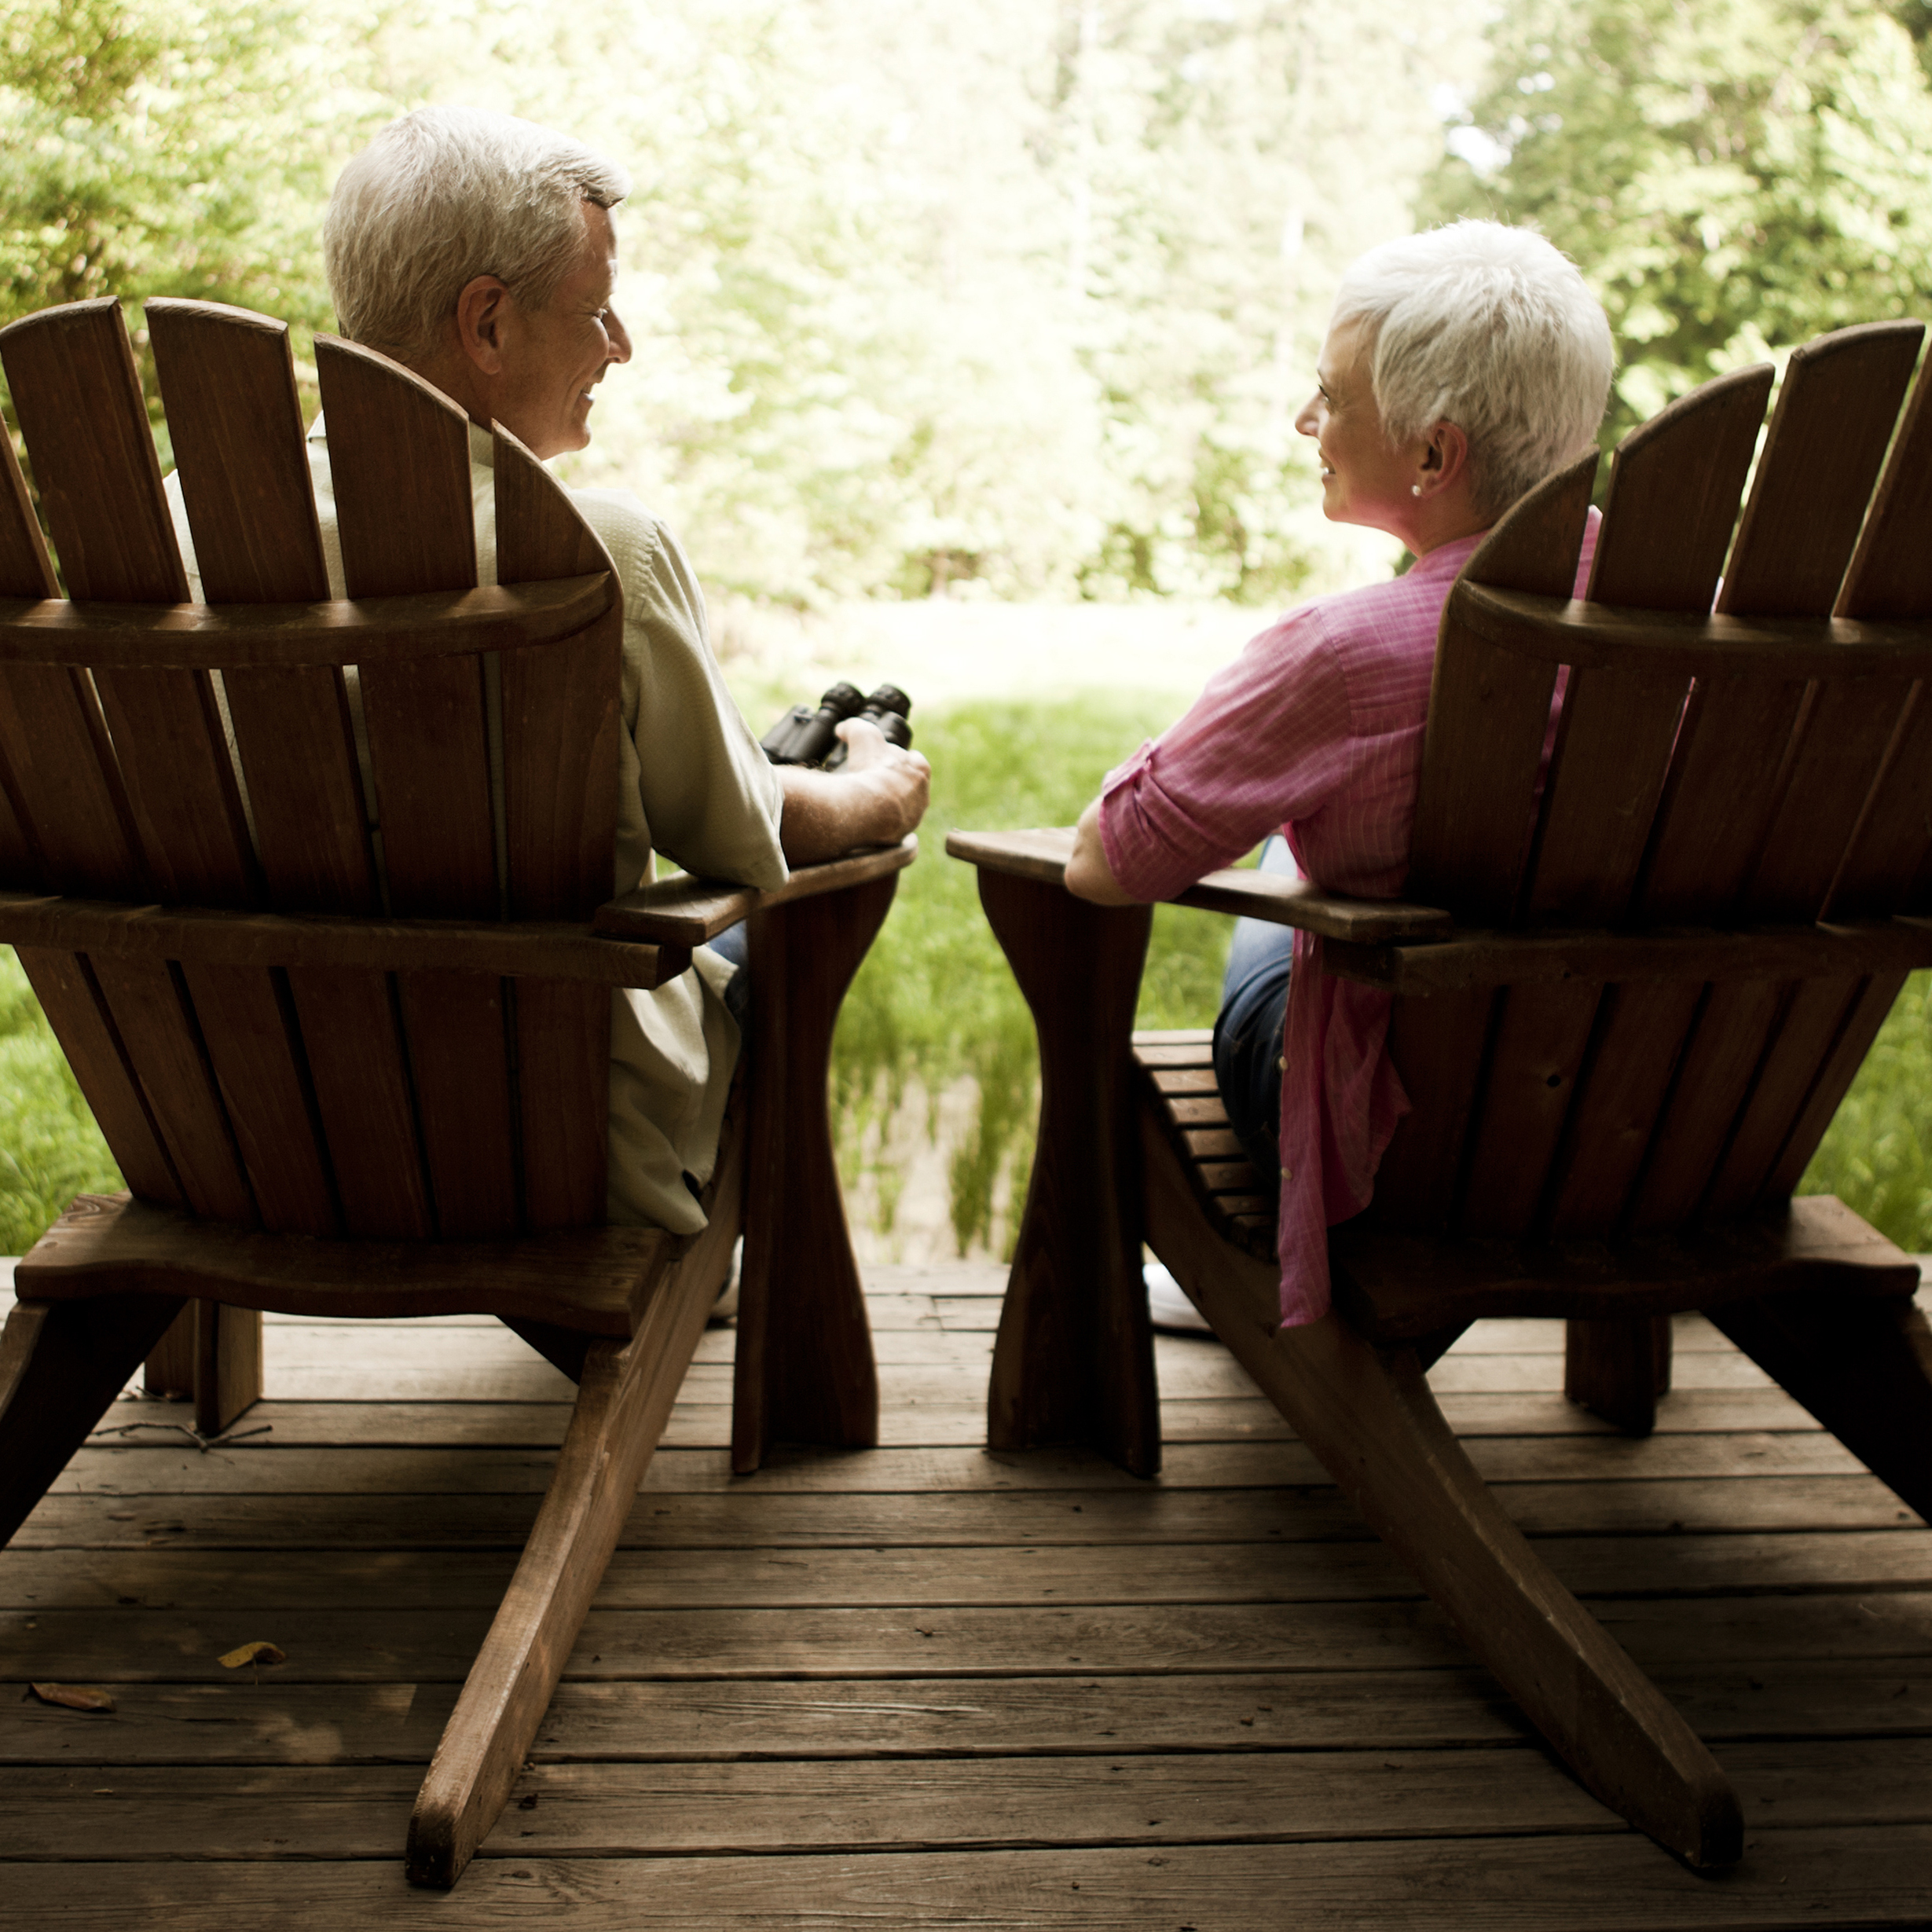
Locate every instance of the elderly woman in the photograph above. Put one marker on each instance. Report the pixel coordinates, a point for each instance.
(1462, 366)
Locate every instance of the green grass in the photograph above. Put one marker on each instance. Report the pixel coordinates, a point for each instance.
(1877, 1158)
(935, 1002)
(50, 1150)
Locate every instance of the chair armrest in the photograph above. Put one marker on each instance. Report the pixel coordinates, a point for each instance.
(687, 912)
(1043, 854)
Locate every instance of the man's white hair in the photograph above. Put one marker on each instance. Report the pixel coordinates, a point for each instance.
(446, 194)
(1490, 328)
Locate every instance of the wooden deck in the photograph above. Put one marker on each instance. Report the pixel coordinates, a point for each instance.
(923, 1686)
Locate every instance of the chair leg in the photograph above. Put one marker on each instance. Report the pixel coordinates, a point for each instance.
(1367, 1412)
(803, 1369)
(61, 1363)
(1863, 1368)
(624, 1400)
(1619, 1368)
(212, 1353)
(1074, 1361)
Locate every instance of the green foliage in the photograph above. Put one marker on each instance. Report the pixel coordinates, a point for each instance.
(1877, 1156)
(935, 1000)
(158, 148)
(50, 1150)
(1732, 177)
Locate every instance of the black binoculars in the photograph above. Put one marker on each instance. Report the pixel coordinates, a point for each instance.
(806, 736)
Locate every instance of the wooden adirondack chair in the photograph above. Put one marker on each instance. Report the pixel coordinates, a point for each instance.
(1627, 1001)
(345, 1075)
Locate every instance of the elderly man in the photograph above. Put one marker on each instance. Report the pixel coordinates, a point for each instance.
(481, 251)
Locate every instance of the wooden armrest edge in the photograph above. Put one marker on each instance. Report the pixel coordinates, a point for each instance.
(1042, 855)
(689, 911)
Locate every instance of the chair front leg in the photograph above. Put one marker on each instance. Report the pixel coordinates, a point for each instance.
(61, 1363)
(805, 1370)
(1074, 1360)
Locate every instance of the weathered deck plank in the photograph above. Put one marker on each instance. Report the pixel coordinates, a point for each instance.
(927, 1686)
(1862, 1876)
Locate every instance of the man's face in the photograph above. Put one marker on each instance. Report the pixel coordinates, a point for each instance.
(553, 357)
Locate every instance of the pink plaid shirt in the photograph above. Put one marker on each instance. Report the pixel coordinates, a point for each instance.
(1314, 731)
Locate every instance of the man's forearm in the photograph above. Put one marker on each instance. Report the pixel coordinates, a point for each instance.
(829, 812)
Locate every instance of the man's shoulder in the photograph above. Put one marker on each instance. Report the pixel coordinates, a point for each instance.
(627, 528)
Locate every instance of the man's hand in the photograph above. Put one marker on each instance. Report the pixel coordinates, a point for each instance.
(1088, 874)
(876, 797)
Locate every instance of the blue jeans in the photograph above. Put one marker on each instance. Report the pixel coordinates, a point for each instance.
(1248, 1033)
(731, 944)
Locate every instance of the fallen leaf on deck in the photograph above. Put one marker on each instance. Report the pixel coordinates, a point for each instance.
(74, 1696)
(253, 1653)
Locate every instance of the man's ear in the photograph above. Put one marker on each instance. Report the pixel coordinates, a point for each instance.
(482, 312)
(1445, 459)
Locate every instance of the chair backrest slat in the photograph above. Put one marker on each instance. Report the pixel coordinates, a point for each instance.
(560, 774)
(161, 1035)
(1674, 489)
(78, 395)
(64, 985)
(559, 708)
(398, 451)
(1836, 409)
(1487, 707)
(1890, 576)
(227, 379)
(399, 456)
(63, 789)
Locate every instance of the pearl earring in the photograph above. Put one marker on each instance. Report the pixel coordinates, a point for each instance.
(1415, 489)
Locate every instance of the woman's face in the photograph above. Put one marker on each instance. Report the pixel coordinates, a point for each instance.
(1363, 480)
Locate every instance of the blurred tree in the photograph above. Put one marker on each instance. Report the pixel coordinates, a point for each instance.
(176, 149)
(1014, 298)
(1732, 177)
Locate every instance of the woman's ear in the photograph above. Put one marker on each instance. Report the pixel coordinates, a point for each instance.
(1445, 460)
(482, 310)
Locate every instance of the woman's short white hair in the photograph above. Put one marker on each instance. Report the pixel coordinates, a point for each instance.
(446, 194)
(1490, 328)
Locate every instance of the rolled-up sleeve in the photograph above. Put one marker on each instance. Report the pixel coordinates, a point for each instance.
(1266, 742)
